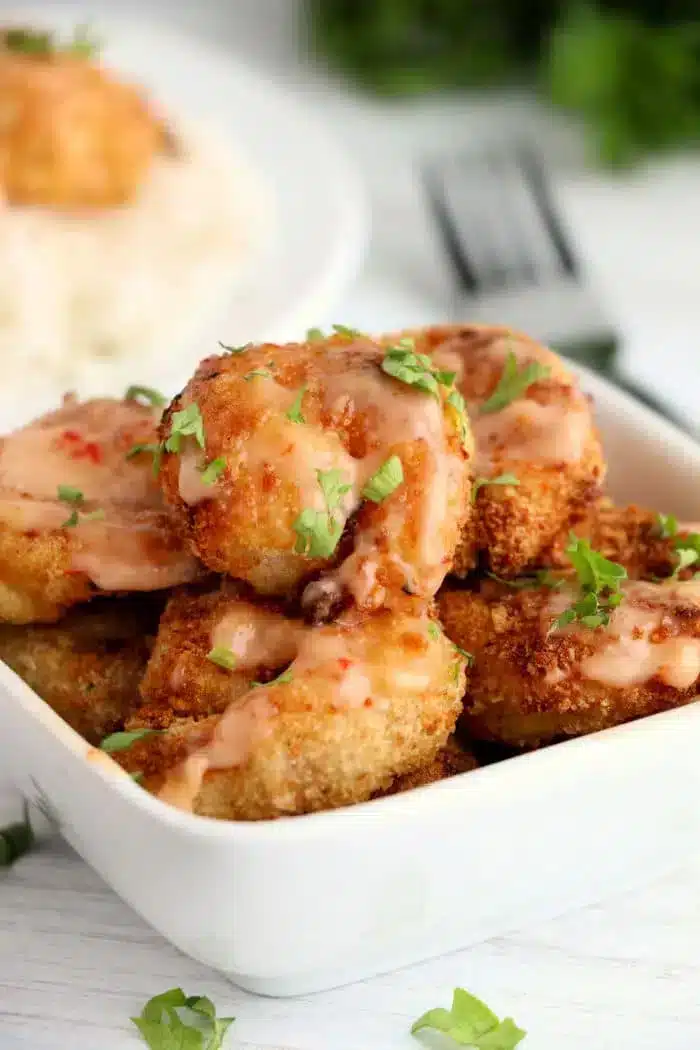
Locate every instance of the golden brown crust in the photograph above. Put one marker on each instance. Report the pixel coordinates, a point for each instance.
(72, 134)
(87, 668)
(525, 687)
(512, 525)
(454, 758)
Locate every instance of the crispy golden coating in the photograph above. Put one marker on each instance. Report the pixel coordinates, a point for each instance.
(111, 533)
(454, 758)
(364, 700)
(545, 437)
(529, 685)
(88, 667)
(281, 421)
(72, 136)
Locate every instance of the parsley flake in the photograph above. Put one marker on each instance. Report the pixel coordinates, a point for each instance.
(513, 383)
(348, 333)
(235, 349)
(434, 631)
(385, 481)
(16, 840)
(123, 740)
(688, 550)
(501, 479)
(223, 657)
(314, 335)
(154, 449)
(175, 1021)
(262, 373)
(531, 582)
(74, 497)
(469, 1022)
(186, 423)
(599, 580)
(148, 394)
(281, 679)
(318, 532)
(294, 413)
(469, 657)
(457, 402)
(403, 363)
(666, 526)
(213, 470)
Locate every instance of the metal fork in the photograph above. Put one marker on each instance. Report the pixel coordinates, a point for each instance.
(513, 261)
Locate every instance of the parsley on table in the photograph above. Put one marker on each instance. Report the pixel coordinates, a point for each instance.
(186, 423)
(501, 479)
(294, 413)
(223, 657)
(148, 394)
(318, 531)
(469, 1022)
(123, 740)
(599, 582)
(513, 383)
(213, 470)
(175, 1021)
(74, 498)
(16, 840)
(385, 481)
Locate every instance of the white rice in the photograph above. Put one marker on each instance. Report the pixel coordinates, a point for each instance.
(118, 285)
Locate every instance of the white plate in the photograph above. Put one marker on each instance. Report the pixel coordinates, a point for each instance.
(319, 222)
(305, 903)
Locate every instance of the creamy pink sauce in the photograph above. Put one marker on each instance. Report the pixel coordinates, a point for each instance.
(191, 487)
(628, 655)
(256, 637)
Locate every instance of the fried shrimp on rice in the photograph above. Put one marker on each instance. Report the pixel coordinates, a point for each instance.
(330, 456)
(539, 463)
(276, 717)
(79, 515)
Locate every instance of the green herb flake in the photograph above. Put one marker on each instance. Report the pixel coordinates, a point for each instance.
(666, 526)
(318, 532)
(688, 550)
(223, 657)
(434, 631)
(281, 679)
(385, 481)
(75, 498)
(513, 383)
(29, 41)
(531, 582)
(16, 839)
(186, 423)
(260, 373)
(469, 657)
(155, 449)
(148, 394)
(213, 470)
(175, 1021)
(84, 43)
(235, 349)
(599, 581)
(314, 335)
(459, 405)
(294, 413)
(501, 479)
(123, 740)
(469, 1022)
(347, 333)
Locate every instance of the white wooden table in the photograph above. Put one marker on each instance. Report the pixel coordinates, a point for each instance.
(75, 962)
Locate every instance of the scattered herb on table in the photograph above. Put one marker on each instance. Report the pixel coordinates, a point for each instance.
(469, 1022)
(175, 1021)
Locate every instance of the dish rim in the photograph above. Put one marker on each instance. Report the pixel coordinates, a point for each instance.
(403, 804)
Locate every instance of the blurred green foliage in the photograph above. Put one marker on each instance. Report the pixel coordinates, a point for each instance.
(629, 68)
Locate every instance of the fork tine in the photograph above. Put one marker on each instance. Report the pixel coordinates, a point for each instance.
(533, 172)
(452, 243)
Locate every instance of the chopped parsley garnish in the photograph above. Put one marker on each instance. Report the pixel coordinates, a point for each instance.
(502, 479)
(175, 1021)
(513, 383)
(16, 840)
(434, 631)
(262, 373)
(666, 526)
(74, 497)
(281, 679)
(186, 423)
(294, 413)
(403, 363)
(314, 335)
(469, 657)
(154, 449)
(457, 402)
(235, 349)
(146, 393)
(83, 43)
(43, 44)
(348, 333)
(123, 740)
(318, 531)
(385, 481)
(531, 582)
(599, 580)
(469, 1022)
(688, 550)
(213, 470)
(223, 657)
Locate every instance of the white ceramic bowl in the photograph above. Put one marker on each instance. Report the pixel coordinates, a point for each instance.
(305, 903)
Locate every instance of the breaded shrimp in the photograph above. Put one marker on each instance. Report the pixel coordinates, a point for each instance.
(109, 533)
(454, 758)
(72, 135)
(362, 701)
(540, 432)
(282, 461)
(88, 667)
(531, 684)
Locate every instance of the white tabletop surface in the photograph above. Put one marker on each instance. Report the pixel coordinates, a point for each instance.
(75, 962)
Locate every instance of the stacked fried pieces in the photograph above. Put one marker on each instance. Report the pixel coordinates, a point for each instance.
(367, 555)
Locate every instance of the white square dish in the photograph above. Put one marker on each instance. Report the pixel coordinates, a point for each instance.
(306, 903)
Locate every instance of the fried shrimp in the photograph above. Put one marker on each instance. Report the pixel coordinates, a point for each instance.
(282, 461)
(352, 706)
(79, 515)
(88, 667)
(71, 135)
(538, 458)
(532, 682)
